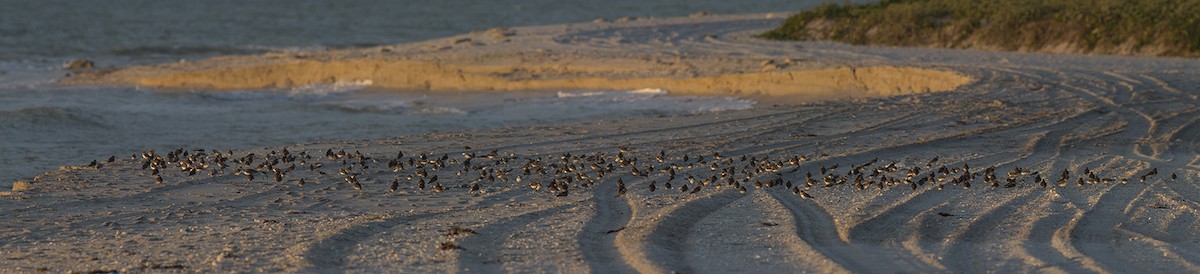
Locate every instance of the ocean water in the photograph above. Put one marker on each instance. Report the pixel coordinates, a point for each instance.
(43, 126)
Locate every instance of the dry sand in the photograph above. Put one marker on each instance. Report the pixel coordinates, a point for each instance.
(1117, 117)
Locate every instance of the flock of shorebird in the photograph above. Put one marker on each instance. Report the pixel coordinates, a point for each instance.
(559, 174)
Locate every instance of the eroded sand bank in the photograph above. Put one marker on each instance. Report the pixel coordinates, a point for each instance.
(1123, 130)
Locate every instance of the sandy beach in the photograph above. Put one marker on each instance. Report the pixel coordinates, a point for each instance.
(857, 159)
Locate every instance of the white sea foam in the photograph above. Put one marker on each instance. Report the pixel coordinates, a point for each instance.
(645, 92)
(435, 110)
(651, 100)
(323, 89)
(312, 92)
(654, 91)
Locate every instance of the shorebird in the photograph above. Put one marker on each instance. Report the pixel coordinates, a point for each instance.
(352, 179)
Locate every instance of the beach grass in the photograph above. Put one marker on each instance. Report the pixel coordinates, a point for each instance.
(1149, 27)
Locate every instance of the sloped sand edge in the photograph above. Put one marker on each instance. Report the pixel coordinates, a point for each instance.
(840, 82)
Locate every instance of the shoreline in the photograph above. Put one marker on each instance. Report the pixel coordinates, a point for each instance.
(1120, 132)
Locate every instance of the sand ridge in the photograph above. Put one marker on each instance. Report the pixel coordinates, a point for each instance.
(581, 57)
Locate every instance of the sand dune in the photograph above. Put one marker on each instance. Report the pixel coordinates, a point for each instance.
(1118, 118)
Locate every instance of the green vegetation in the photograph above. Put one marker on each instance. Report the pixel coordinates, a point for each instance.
(1144, 27)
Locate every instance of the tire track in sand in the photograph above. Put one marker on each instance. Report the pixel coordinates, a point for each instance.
(482, 252)
(1096, 229)
(758, 229)
(816, 227)
(597, 241)
(663, 247)
(991, 225)
(330, 252)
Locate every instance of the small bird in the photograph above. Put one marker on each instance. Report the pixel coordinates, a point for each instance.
(652, 187)
(158, 179)
(805, 195)
(438, 187)
(395, 185)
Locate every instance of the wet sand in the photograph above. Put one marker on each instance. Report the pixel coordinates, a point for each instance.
(1028, 117)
